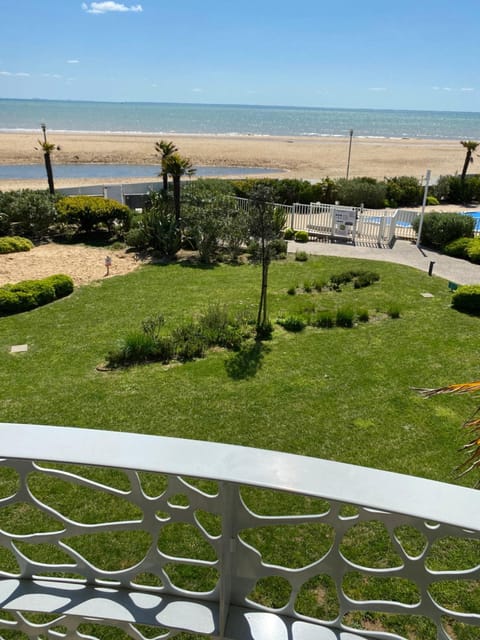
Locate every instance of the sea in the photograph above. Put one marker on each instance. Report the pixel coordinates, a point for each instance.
(213, 119)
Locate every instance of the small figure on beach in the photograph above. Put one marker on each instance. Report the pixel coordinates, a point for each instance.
(108, 264)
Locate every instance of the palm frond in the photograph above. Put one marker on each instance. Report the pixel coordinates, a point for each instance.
(465, 387)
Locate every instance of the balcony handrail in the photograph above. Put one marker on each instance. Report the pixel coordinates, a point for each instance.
(436, 509)
(382, 490)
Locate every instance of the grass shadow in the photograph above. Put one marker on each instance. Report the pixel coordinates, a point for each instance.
(248, 361)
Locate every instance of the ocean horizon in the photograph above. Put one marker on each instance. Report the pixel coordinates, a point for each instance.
(71, 116)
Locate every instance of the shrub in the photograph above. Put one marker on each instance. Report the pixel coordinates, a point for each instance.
(363, 315)
(137, 238)
(30, 213)
(344, 317)
(301, 236)
(301, 256)
(61, 283)
(264, 331)
(14, 244)
(292, 323)
(278, 248)
(324, 319)
(29, 294)
(473, 250)
(89, 212)
(365, 279)
(432, 201)
(289, 234)
(307, 286)
(403, 191)
(458, 248)
(292, 291)
(393, 311)
(358, 191)
(341, 278)
(467, 299)
(455, 190)
(441, 228)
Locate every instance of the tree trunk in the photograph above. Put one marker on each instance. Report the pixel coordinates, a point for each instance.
(165, 181)
(176, 198)
(48, 167)
(468, 158)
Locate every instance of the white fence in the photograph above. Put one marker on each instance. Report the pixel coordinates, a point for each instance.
(206, 499)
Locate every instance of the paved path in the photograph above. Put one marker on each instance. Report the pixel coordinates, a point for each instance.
(403, 252)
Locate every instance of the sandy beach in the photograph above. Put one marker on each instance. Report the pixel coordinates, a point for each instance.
(310, 158)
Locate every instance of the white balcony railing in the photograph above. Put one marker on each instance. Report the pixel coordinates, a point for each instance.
(176, 534)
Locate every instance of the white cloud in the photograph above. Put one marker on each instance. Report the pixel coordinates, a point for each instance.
(73, 61)
(51, 75)
(15, 75)
(377, 89)
(197, 90)
(467, 89)
(105, 7)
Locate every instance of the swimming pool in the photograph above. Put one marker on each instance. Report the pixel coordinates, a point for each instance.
(476, 216)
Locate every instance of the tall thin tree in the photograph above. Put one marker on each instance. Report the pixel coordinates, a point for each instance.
(165, 148)
(266, 224)
(177, 166)
(47, 148)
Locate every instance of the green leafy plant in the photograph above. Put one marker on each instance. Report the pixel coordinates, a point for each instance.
(289, 233)
(13, 244)
(344, 317)
(301, 256)
(441, 228)
(324, 319)
(292, 323)
(394, 311)
(467, 299)
(458, 248)
(29, 294)
(89, 212)
(27, 213)
(301, 236)
(363, 315)
(292, 291)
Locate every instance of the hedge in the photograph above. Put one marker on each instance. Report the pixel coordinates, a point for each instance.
(467, 299)
(29, 294)
(441, 228)
(90, 211)
(13, 244)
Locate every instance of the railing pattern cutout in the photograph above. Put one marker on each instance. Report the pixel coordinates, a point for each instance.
(144, 551)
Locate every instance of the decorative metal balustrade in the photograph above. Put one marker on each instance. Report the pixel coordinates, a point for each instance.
(155, 536)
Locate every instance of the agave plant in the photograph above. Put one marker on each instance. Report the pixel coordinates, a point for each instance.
(472, 425)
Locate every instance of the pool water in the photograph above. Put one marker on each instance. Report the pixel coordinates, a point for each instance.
(476, 216)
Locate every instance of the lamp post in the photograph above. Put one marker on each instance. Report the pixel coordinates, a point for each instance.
(349, 152)
(425, 193)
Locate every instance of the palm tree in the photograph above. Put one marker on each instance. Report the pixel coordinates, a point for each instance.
(472, 448)
(470, 146)
(47, 148)
(177, 166)
(165, 148)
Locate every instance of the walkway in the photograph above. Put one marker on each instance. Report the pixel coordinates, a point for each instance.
(403, 252)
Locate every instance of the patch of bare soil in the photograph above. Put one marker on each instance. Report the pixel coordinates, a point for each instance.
(82, 263)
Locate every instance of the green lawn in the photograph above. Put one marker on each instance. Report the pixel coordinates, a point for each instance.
(340, 394)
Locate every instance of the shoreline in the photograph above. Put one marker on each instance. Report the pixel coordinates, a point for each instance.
(303, 157)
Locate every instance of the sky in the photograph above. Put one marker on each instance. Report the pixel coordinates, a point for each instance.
(374, 54)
